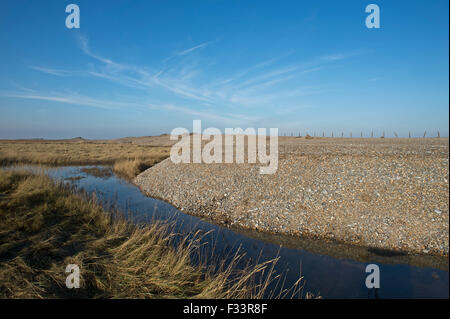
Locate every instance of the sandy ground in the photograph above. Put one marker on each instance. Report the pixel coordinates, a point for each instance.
(381, 193)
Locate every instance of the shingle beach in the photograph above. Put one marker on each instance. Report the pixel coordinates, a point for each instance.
(381, 193)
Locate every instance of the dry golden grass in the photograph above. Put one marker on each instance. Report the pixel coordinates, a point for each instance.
(45, 226)
(127, 159)
(131, 168)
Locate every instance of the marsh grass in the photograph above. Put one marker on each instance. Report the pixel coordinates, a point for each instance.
(127, 160)
(45, 226)
(132, 167)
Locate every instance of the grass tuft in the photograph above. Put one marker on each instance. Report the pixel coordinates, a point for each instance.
(128, 160)
(44, 226)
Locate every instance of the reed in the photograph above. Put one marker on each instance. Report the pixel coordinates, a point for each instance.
(45, 226)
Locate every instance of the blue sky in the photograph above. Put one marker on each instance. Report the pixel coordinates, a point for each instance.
(145, 67)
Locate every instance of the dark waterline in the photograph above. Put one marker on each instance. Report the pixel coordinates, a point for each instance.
(329, 269)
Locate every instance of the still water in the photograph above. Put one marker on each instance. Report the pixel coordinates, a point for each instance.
(329, 269)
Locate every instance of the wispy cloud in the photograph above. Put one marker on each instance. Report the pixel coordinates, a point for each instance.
(187, 51)
(56, 72)
(69, 98)
(260, 85)
(22, 88)
(76, 99)
(339, 56)
(230, 118)
(255, 67)
(84, 46)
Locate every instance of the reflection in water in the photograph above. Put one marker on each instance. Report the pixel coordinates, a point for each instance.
(330, 269)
